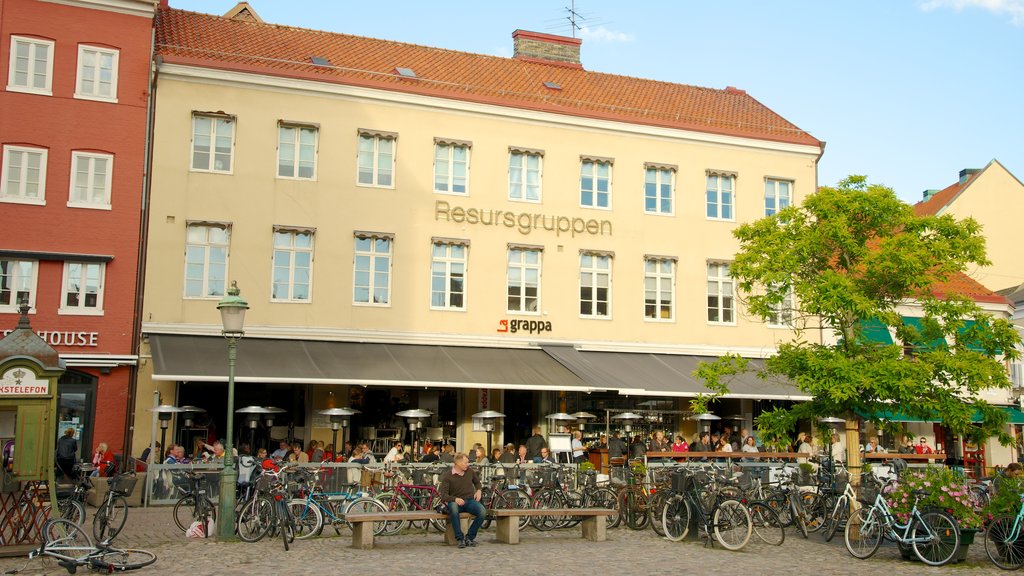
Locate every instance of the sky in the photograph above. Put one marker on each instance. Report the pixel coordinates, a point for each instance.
(905, 92)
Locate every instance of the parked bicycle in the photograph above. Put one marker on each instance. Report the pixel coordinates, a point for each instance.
(319, 508)
(1004, 543)
(414, 497)
(194, 504)
(113, 511)
(726, 520)
(71, 504)
(66, 542)
(934, 535)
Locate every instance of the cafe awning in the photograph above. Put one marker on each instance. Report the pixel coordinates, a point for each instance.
(191, 358)
(1016, 416)
(649, 374)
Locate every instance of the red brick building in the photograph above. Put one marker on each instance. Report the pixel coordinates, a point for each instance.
(73, 109)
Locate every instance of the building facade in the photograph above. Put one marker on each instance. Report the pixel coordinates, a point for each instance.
(417, 227)
(73, 117)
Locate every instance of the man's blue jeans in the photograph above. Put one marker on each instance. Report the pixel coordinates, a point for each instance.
(473, 507)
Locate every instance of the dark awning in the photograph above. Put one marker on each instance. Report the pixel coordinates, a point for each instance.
(648, 374)
(204, 359)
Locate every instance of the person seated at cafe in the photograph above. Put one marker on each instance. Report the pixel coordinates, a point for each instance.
(508, 455)
(750, 445)
(702, 444)
(723, 444)
(522, 457)
(433, 456)
(479, 456)
(872, 446)
(905, 446)
(546, 456)
(282, 451)
(395, 454)
(806, 447)
(923, 447)
(616, 446)
(680, 445)
(602, 442)
(637, 449)
(448, 454)
(659, 443)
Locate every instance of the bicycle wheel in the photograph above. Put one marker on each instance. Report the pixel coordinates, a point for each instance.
(255, 519)
(63, 534)
(863, 533)
(22, 521)
(635, 509)
(655, 508)
(766, 524)
(370, 505)
(676, 518)
(71, 509)
(814, 510)
(123, 560)
(306, 518)
(438, 525)
(285, 525)
(796, 514)
(109, 519)
(1004, 546)
(392, 503)
(837, 518)
(942, 534)
(606, 498)
(185, 512)
(732, 526)
(547, 499)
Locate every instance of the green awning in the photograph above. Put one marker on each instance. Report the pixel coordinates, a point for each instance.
(1016, 416)
(873, 331)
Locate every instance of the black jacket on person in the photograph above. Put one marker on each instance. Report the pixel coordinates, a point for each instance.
(533, 445)
(616, 447)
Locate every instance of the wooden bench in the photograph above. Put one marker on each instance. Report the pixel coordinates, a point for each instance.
(593, 524)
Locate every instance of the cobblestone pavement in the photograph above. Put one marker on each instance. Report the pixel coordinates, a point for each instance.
(625, 552)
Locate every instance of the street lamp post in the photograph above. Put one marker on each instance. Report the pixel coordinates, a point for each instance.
(232, 314)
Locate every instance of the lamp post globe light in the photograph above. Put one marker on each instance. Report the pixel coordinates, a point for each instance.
(232, 314)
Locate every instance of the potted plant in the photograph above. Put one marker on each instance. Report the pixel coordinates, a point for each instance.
(947, 490)
(1005, 499)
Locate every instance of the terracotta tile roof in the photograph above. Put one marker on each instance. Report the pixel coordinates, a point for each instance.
(966, 286)
(942, 198)
(211, 41)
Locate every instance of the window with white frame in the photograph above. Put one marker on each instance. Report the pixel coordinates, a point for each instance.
(83, 288)
(781, 315)
(1017, 374)
(595, 285)
(451, 167)
(524, 174)
(24, 175)
(91, 176)
(778, 194)
(720, 194)
(206, 260)
(213, 142)
(523, 279)
(293, 265)
(595, 183)
(17, 283)
(376, 159)
(658, 184)
(296, 151)
(31, 65)
(659, 287)
(448, 275)
(721, 300)
(97, 73)
(372, 274)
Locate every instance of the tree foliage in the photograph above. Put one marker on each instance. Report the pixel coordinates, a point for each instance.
(849, 257)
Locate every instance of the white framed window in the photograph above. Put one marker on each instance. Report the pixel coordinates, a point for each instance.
(522, 276)
(293, 265)
(213, 143)
(595, 285)
(24, 175)
(1017, 374)
(83, 288)
(595, 183)
(371, 283)
(31, 66)
(778, 194)
(451, 167)
(659, 288)
(97, 73)
(376, 159)
(524, 175)
(91, 176)
(296, 151)
(720, 196)
(448, 275)
(206, 260)
(659, 182)
(17, 282)
(781, 315)
(721, 298)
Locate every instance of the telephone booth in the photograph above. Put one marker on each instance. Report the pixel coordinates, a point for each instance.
(29, 369)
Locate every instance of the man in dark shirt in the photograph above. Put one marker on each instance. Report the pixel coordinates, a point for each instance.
(616, 446)
(534, 444)
(67, 451)
(460, 489)
(508, 456)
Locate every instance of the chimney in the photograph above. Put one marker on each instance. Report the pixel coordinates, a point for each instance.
(929, 193)
(966, 174)
(548, 48)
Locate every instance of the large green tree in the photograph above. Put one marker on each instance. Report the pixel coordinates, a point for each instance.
(844, 261)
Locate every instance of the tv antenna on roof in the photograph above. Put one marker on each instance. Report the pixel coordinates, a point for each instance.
(573, 15)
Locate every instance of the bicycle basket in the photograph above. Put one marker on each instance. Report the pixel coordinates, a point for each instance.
(867, 493)
(682, 480)
(543, 478)
(123, 484)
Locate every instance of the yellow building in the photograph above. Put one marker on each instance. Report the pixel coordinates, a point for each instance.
(418, 227)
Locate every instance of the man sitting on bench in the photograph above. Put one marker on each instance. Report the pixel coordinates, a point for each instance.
(460, 489)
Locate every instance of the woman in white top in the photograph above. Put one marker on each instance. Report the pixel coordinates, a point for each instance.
(750, 445)
(395, 454)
